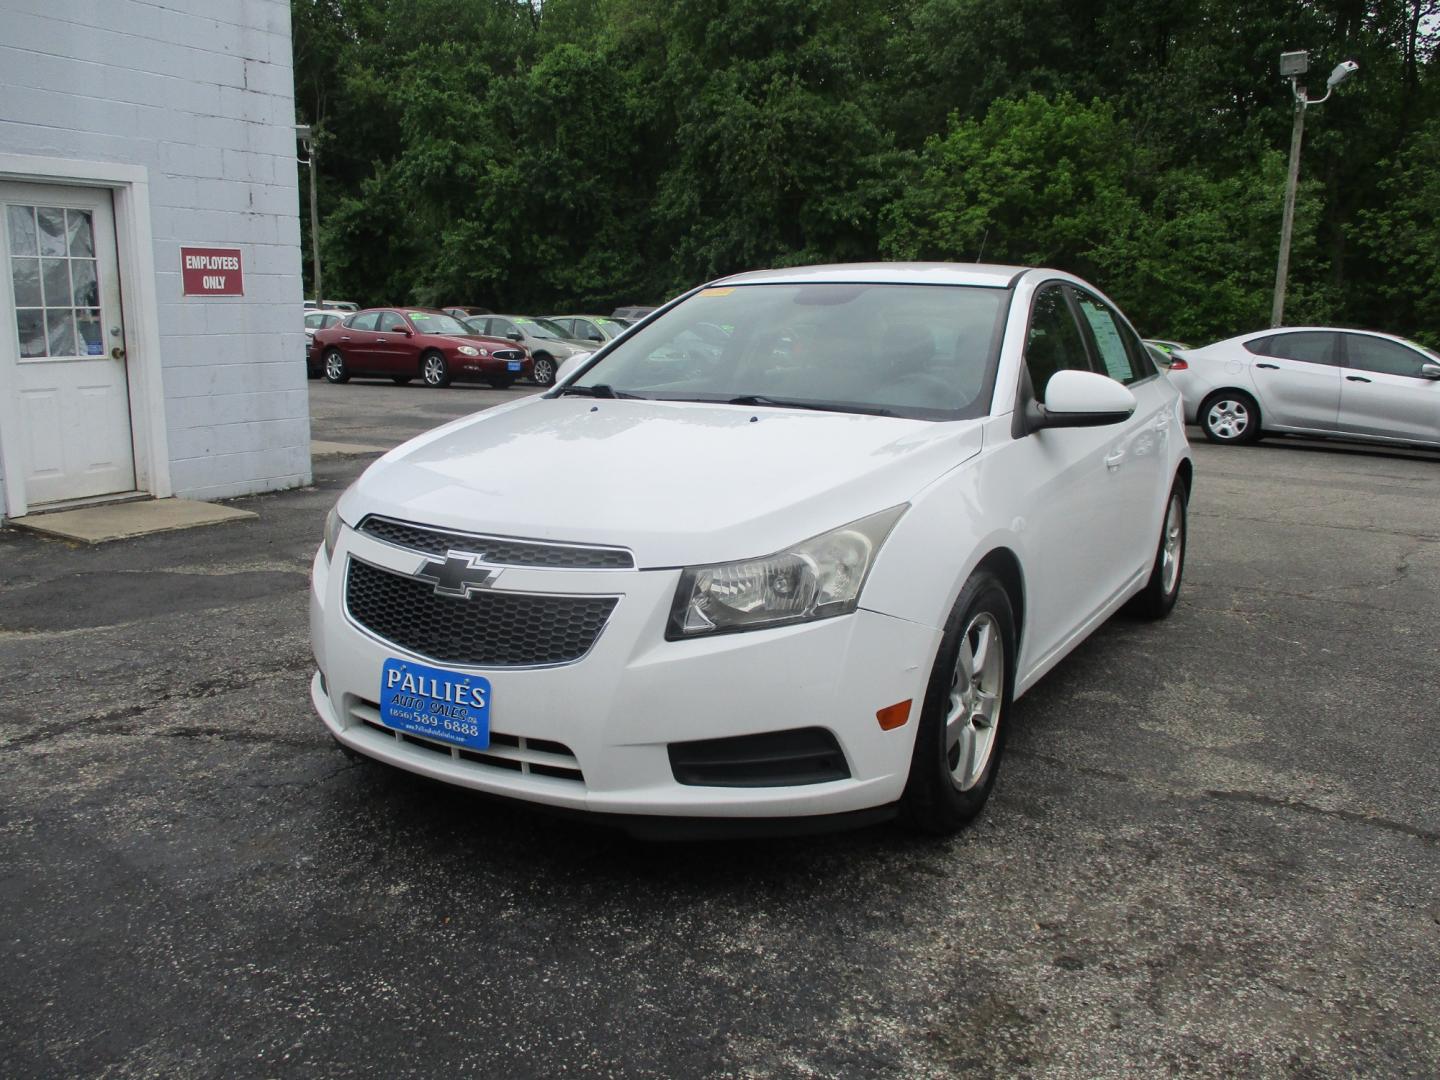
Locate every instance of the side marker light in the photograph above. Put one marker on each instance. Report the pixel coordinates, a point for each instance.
(894, 716)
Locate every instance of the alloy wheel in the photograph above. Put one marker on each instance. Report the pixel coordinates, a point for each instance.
(976, 690)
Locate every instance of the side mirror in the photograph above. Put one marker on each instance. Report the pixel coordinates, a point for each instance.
(406, 331)
(569, 367)
(1430, 371)
(515, 335)
(1081, 399)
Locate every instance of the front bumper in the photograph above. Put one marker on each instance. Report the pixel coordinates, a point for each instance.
(593, 735)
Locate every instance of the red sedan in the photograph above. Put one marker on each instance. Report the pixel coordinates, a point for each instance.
(407, 343)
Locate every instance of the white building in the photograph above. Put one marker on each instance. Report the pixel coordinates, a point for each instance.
(130, 130)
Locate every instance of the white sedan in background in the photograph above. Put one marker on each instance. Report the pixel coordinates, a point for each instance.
(1353, 384)
(794, 586)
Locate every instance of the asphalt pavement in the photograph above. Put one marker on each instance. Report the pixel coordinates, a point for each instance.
(1214, 848)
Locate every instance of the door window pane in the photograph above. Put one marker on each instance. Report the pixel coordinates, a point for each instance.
(1378, 354)
(22, 230)
(1054, 342)
(60, 331)
(391, 323)
(26, 273)
(52, 230)
(1107, 330)
(88, 325)
(365, 322)
(1311, 346)
(56, 273)
(31, 322)
(83, 283)
(77, 225)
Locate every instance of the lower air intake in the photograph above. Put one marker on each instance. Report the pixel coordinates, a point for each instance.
(773, 759)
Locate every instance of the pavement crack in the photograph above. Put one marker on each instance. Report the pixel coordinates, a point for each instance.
(1344, 815)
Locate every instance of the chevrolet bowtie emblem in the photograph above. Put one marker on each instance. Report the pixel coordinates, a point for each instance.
(459, 575)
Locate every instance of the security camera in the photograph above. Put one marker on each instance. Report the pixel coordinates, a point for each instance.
(1343, 71)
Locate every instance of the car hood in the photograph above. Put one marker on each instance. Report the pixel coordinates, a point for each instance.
(677, 483)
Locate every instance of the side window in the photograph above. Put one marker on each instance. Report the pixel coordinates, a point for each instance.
(1109, 335)
(1377, 354)
(1054, 342)
(1309, 346)
(588, 331)
(391, 323)
(364, 321)
(503, 328)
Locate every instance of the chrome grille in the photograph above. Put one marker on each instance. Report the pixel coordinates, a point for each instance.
(509, 753)
(508, 354)
(488, 629)
(499, 550)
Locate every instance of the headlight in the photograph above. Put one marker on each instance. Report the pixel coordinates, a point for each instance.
(469, 350)
(333, 525)
(815, 579)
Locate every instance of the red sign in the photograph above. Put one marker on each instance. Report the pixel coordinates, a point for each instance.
(212, 271)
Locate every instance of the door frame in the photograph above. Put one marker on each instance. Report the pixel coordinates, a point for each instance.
(129, 187)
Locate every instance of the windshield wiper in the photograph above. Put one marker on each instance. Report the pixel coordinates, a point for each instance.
(818, 406)
(601, 390)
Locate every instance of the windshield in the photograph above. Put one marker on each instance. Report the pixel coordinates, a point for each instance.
(428, 322)
(920, 351)
(541, 328)
(611, 328)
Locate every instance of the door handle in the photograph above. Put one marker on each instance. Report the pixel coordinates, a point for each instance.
(344, 337)
(1269, 367)
(1356, 378)
(1113, 461)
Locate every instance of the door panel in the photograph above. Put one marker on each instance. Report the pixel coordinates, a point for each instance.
(1378, 400)
(1298, 380)
(63, 347)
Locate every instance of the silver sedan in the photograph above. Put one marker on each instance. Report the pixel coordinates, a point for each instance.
(1352, 384)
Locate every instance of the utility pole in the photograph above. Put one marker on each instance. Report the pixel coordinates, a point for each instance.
(1292, 66)
(306, 137)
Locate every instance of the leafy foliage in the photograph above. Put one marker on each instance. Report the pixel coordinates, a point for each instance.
(584, 153)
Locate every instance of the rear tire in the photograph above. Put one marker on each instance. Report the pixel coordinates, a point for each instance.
(962, 729)
(335, 369)
(1230, 417)
(1157, 599)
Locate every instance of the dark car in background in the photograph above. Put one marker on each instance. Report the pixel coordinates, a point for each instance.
(402, 344)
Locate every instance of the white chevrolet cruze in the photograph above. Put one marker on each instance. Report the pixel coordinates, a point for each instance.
(788, 550)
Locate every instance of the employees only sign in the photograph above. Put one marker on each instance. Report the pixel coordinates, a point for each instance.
(212, 271)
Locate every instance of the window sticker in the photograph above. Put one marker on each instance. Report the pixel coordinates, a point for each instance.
(717, 291)
(1112, 346)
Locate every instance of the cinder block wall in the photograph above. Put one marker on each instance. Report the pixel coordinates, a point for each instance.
(200, 93)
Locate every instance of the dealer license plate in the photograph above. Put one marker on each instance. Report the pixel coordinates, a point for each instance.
(512, 365)
(437, 704)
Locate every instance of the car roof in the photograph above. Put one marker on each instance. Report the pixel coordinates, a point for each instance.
(1318, 330)
(884, 273)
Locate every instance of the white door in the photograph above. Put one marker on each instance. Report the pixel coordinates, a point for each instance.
(1385, 394)
(62, 349)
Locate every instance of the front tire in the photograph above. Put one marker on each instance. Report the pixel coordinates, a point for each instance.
(1230, 417)
(1157, 599)
(543, 371)
(434, 370)
(335, 369)
(962, 729)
